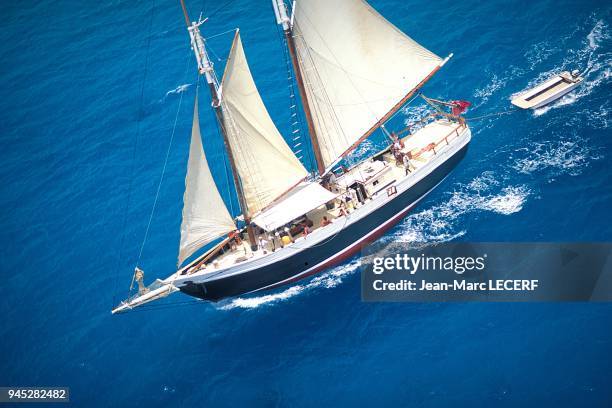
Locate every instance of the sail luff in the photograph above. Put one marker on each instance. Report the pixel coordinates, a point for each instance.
(205, 216)
(265, 164)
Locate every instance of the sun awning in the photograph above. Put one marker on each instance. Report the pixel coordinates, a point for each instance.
(304, 197)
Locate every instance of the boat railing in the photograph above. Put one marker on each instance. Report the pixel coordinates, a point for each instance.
(443, 140)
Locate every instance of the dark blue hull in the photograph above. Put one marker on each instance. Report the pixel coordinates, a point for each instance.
(323, 256)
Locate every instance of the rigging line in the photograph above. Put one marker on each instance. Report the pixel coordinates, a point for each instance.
(293, 100)
(233, 30)
(405, 106)
(134, 149)
(161, 179)
(219, 59)
(225, 158)
(227, 172)
(504, 112)
(324, 119)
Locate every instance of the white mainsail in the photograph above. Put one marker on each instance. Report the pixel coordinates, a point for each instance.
(205, 216)
(266, 165)
(357, 68)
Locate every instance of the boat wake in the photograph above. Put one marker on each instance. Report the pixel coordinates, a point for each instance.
(483, 94)
(443, 222)
(588, 57)
(554, 158)
(327, 280)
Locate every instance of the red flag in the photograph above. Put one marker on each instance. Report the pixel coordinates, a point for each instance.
(459, 107)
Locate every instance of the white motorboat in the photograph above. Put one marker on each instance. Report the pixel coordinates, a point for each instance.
(548, 91)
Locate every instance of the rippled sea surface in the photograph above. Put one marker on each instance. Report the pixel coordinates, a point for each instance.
(90, 94)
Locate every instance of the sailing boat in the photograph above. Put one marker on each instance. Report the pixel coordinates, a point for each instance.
(353, 74)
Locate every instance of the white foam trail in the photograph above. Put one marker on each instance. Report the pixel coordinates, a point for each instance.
(557, 157)
(540, 52)
(488, 90)
(598, 34)
(441, 222)
(179, 89)
(600, 118)
(329, 279)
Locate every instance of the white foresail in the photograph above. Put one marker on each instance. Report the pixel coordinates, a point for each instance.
(266, 165)
(205, 216)
(357, 68)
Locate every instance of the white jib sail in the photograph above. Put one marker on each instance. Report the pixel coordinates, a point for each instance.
(357, 67)
(205, 216)
(266, 165)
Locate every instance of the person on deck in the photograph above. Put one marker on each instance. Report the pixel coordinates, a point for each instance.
(277, 235)
(232, 235)
(288, 232)
(272, 242)
(332, 181)
(396, 148)
(286, 240)
(306, 229)
(325, 221)
(406, 161)
(348, 201)
(262, 243)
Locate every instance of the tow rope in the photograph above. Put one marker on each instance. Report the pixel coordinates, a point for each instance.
(500, 113)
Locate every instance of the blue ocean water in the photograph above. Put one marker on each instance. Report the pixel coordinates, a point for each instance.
(90, 93)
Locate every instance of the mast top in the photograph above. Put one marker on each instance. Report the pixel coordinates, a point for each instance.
(280, 11)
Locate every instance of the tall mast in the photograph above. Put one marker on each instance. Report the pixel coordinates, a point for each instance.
(282, 18)
(205, 67)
